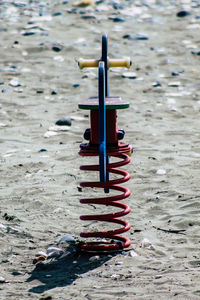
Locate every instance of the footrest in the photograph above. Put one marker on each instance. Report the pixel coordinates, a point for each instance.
(111, 103)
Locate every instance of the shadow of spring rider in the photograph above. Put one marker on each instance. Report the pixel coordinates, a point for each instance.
(103, 140)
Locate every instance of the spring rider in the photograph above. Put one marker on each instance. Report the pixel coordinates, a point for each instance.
(104, 140)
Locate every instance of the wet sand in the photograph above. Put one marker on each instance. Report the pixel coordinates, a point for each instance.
(40, 83)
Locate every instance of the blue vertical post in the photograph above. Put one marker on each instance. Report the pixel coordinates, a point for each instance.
(104, 58)
(102, 123)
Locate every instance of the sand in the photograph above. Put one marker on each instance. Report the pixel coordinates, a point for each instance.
(39, 189)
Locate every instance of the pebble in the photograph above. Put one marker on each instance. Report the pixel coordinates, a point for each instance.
(94, 258)
(57, 13)
(16, 273)
(197, 52)
(5, 91)
(28, 33)
(14, 83)
(174, 84)
(145, 243)
(54, 93)
(84, 3)
(130, 75)
(42, 150)
(88, 16)
(116, 19)
(156, 84)
(135, 37)
(39, 91)
(64, 122)
(183, 13)
(175, 73)
(160, 172)
(76, 85)
(132, 253)
(59, 58)
(57, 128)
(50, 133)
(57, 48)
(2, 279)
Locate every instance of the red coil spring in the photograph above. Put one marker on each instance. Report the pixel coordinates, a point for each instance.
(117, 241)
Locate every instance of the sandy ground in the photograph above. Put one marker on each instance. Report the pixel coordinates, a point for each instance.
(39, 190)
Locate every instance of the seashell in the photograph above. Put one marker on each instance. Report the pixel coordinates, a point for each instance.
(67, 239)
(54, 252)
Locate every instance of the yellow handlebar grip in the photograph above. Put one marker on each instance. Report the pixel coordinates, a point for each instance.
(119, 63)
(112, 63)
(88, 63)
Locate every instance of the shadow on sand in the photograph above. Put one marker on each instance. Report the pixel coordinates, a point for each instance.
(64, 272)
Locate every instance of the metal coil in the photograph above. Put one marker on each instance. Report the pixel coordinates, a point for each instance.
(117, 242)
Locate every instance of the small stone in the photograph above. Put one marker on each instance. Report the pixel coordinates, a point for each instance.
(2, 279)
(130, 75)
(118, 5)
(84, 3)
(175, 73)
(59, 58)
(132, 253)
(76, 85)
(94, 258)
(183, 13)
(50, 133)
(57, 13)
(156, 84)
(54, 93)
(14, 83)
(145, 243)
(174, 84)
(160, 172)
(28, 33)
(46, 298)
(16, 273)
(79, 189)
(135, 37)
(5, 91)
(64, 122)
(116, 19)
(42, 150)
(197, 52)
(88, 16)
(39, 91)
(57, 48)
